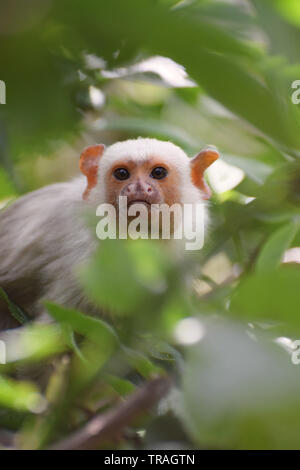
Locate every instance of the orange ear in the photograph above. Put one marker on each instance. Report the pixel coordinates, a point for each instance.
(88, 164)
(199, 164)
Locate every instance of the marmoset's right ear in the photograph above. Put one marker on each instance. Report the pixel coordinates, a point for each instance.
(88, 164)
(198, 166)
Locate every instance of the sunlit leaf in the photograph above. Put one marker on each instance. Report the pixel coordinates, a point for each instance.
(22, 396)
(272, 252)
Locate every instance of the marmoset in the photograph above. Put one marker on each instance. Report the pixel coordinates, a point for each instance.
(43, 235)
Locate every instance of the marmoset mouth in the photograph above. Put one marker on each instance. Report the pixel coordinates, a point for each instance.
(139, 201)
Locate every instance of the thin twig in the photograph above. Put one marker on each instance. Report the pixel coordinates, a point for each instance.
(107, 426)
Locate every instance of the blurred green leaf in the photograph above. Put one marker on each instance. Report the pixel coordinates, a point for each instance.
(246, 89)
(273, 250)
(6, 187)
(141, 363)
(271, 295)
(32, 343)
(22, 396)
(290, 9)
(147, 126)
(256, 170)
(240, 392)
(93, 328)
(111, 271)
(123, 274)
(121, 386)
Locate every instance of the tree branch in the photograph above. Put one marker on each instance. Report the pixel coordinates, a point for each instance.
(107, 426)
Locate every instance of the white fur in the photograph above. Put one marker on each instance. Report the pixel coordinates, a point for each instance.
(44, 237)
(139, 150)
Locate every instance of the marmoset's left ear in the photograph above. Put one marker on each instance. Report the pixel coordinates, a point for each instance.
(199, 164)
(88, 164)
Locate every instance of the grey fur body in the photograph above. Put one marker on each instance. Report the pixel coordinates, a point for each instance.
(43, 237)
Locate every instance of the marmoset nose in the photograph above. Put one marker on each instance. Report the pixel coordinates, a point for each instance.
(138, 188)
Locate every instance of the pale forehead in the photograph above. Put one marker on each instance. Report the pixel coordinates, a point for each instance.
(140, 150)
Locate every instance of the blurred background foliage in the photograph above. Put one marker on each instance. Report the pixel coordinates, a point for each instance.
(221, 321)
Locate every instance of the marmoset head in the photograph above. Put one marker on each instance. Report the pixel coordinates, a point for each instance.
(146, 171)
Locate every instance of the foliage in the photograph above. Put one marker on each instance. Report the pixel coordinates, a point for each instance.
(220, 321)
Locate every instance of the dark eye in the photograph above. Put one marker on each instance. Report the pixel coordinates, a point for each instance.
(159, 173)
(121, 174)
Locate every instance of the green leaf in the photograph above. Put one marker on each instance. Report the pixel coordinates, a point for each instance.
(123, 275)
(290, 9)
(6, 187)
(93, 328)
(272, 252)
(99, 344)
(141, 363)
(14, 309)
(122, 386)
(32, 343)
(21, 396)
(154, 127)
(253, 87)
(240, 393)
(273, 295)
(255, 169)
